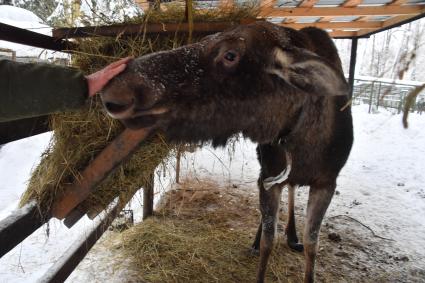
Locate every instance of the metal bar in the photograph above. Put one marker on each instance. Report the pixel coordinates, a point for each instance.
(19, 129)
(18, 226)
(23, 36)
(353, 59)
(79, 249)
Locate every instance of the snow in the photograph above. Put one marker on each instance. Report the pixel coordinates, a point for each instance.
(382, 185)
(25, 19)
(105, 12)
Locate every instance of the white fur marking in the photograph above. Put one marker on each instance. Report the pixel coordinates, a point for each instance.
(282, 177)
(282, 57)
(284, 60)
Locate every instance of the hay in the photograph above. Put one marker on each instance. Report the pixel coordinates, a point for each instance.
(80, 135)
(202, 234)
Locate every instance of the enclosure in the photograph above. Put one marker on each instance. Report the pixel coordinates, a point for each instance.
(373, 230)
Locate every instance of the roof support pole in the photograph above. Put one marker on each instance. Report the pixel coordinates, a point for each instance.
(353, 58)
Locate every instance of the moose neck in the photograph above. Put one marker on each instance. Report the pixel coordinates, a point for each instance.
(213, 121)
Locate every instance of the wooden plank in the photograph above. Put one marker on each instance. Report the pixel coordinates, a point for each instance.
(326, 19)
(308, 3)
(23, 36)
(135, 29)
(18, 226)
(343, 34)
(266, 5)
(336, 25)
(105, 162)
(226, 4)
(19, 129)
(343, 11)
(144, 4)
(398, 2)
(78, 250)
(392, 23)
(395, 20)
(352, 3)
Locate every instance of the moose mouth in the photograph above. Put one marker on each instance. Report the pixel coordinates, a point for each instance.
(144, 118)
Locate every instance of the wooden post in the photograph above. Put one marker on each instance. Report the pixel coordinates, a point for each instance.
(178, 157)
(148, 196)
(189, 18)
(353, 59)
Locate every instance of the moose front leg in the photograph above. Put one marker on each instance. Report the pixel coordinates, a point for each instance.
(318, 201)
(269, 206)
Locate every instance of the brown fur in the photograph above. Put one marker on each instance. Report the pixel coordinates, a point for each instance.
(279, 87)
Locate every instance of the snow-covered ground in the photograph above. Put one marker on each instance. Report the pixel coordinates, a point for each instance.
(382, 185)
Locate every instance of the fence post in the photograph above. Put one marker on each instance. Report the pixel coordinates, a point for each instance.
(371, 97)
(379, 95)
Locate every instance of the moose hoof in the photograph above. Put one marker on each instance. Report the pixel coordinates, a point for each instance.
(254, 251)
(296, 246)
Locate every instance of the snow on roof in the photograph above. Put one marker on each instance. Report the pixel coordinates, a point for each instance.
(25, 19)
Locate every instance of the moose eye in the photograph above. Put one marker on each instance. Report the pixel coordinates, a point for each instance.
(231, 56)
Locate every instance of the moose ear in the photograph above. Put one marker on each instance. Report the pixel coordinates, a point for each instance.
(308, 72)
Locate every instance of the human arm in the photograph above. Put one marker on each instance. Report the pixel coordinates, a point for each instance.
(29, 90)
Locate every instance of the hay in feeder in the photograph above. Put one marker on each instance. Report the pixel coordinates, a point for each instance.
(80, 135)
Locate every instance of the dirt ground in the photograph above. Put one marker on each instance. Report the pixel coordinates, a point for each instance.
(349, 250)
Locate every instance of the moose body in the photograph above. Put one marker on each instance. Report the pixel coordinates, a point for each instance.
(282, 88)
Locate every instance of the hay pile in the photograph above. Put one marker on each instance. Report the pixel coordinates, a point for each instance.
(203, 234)
(80, 135)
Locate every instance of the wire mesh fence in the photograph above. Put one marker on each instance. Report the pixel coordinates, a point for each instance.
(385, 93)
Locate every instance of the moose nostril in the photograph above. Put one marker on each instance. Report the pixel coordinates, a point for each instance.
(117, 108)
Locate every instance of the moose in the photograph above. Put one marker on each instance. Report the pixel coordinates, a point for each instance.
(283, 89)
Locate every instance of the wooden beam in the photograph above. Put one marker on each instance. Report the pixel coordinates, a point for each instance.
(135, 29)
(144, 4)
(18, 226)
(66, 264)
(398, 2)
(392, 23)
(30, 38)
(267, 4)
(335, 25)
(308, 3)
(226, 4)
(343, 34)
(343, 11)
(19, 129)
(352, 3)
(395, 20)
(326, 19)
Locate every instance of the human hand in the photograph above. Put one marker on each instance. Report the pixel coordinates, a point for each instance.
(98, 80)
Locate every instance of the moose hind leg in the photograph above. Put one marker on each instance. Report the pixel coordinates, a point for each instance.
(291, 231)
(255, 248)
(269, 202)
(318, 202)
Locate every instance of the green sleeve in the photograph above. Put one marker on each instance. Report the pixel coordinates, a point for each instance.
(29, 90)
